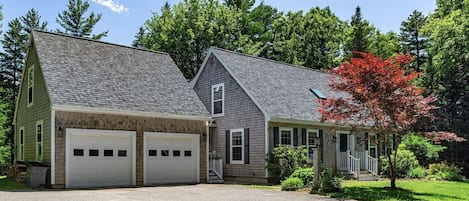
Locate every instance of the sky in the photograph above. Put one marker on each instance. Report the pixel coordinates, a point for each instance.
(122, 18)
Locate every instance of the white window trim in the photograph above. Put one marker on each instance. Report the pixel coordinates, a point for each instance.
(241, 130)
(280, 136)
(21, 146)
(307, 139)
(222, 100)
(40, 122)
(30, 86)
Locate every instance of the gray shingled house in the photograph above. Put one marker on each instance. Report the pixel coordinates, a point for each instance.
(258, 104)
(102, 114)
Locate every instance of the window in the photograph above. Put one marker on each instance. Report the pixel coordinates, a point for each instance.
(77, 152)
(237, 146)
(218, 96)
(30, 85)
(372, 145)
(164, 152)
(188, 153)
(21, 144)
(286, 136)
(152, 152)
(108, 152)
(176, 153)
(93, 152)
(311, 135)
(122, 153)
(39, 141)
(343, 145)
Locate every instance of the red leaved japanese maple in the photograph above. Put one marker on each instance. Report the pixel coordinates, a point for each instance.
(379, 95)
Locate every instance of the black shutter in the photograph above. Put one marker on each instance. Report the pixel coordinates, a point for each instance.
(246, 146)
(227, 144)
(295, 137)
(276, 140)
(321, 144)
(303, 136)
(366, 142)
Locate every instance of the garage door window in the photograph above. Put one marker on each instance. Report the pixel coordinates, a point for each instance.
(93, 152)
(122, 153)
(237, 146)
(108, 153)
(152, 152)
(176, 153)
(164, 152)
(77, 152)
(188, 153)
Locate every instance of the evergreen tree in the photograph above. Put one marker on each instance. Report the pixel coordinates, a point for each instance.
(358, 35)
(138, 41)
(243, 5)
(412, 40)
(32, 20)
(74, 23)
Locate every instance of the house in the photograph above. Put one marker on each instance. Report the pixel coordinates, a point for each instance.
(258, 104)
(102, 114)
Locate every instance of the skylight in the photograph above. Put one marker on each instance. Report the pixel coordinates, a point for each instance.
(318, 93)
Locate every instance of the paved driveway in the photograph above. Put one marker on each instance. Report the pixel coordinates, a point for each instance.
(206, 192)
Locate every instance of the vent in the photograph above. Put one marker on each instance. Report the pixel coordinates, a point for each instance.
(318, 93)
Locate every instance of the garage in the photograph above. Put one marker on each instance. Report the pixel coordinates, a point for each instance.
(171, 158)
(98, 158)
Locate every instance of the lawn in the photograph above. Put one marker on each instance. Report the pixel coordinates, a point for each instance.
(10, 185)
(410, 190)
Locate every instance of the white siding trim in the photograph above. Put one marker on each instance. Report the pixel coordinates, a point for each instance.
(32, 86)
(70, 131)
(52, 148)
(280, 136)
(21, 147)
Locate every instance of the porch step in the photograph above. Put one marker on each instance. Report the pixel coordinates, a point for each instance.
(368, 177)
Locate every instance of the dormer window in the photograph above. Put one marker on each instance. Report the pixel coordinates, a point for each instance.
(318, 93)
(30, 85)
(218, 99)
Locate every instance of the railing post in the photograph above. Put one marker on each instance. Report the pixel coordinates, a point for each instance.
(348, 161)
(366, 160)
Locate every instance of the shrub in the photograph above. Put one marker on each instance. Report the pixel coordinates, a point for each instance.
(292, 184)
(416, 172)
(443, 171)
(423, 148)
(284, 160)
(405, 162)
(305, 174)
(329, 181)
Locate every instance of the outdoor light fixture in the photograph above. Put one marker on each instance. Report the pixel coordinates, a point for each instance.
(61, 131)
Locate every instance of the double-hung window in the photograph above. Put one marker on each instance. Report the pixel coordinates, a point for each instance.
(286, 136)
(21, 144)
(237, 146)
(311, 136)
(30, 85)
(218, 99)
(39, 141)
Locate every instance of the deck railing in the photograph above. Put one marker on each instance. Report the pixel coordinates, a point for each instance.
(353, 164)
(372, 165)
(216, 166)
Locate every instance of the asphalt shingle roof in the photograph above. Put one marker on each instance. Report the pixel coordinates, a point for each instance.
(84, 73)
(281, 89)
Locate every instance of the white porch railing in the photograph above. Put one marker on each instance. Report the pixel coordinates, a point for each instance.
(216, 166)
(372, 165)
(353, 164)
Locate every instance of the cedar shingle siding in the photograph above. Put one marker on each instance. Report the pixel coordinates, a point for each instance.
(240, 112)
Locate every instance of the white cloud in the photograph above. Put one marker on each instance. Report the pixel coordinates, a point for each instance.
(113, 5)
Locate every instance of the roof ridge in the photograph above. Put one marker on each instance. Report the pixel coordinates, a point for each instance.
(98, 41)
(271, 60)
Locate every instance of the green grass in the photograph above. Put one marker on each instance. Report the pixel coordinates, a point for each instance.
(260, 186)
(409, 190)
(10, 185)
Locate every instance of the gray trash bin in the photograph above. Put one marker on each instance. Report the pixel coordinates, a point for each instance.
(37, 175)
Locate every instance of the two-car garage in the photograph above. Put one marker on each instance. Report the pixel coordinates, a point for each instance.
(97, 158)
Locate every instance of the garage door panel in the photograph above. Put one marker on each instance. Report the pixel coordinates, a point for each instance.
(171, 168)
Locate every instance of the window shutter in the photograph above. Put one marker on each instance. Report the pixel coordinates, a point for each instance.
(246, 146)
(227, 144)
(303, 136)
(321, 144)
(366, 142)
(276, 140)
(295, 137)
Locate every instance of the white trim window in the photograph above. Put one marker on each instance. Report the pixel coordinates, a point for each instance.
(21, 144)
(285, 136)
(237, 146)
(218, 99)
(311, 141)
(39, 140)
(372, 145)
(31, 86)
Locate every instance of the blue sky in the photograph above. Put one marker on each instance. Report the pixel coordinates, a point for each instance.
(123, 17)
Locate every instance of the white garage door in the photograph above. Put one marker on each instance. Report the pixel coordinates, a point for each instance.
(96, 158)
(171, 158)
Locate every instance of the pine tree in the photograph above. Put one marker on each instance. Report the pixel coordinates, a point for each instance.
(32, 20)
(74, 23)
(138, 42)
(412, 41)
(358, 35)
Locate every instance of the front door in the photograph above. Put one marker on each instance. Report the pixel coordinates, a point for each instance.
(345, 143)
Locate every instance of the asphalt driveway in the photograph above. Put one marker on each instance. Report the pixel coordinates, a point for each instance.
(206, 192)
